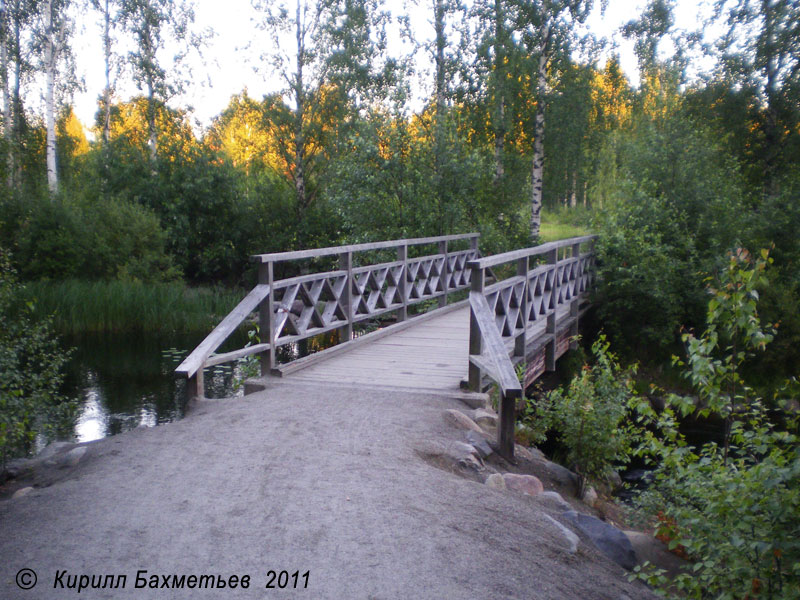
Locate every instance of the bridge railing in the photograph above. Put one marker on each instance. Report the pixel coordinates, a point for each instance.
(300, 307)
(548, 277)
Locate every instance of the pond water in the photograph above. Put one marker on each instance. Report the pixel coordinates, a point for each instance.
(124, 381)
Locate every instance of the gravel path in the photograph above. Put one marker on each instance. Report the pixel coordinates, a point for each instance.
(295, 478)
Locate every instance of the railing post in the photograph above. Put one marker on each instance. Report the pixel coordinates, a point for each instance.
(266, 317)
(477, 280)
(195, 387)
(574, 307)
(506, 429)
(402, 255)
(346, 264)
(443, 275)
(550, 349)
(521, 341)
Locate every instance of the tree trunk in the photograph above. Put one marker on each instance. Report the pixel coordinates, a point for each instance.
(438, 126)
(573, 198)
(500, 116)
(537, 166)
(107, 90)
(7, 116)
(299, 138)
(16, 103)
(50, 58)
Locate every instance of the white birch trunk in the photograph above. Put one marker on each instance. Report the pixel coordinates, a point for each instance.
(7, 116)
(537, 168)
(299, 137)
(50, 57)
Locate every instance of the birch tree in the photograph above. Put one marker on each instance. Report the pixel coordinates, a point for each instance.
(55, 27)
(108, 12)
(546, 27)
(17, 16)
(152, 23)
(300, 70)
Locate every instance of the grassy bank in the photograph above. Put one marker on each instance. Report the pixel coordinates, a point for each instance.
(82, 306)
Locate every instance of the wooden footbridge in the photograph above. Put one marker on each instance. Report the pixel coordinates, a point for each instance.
(486, 316)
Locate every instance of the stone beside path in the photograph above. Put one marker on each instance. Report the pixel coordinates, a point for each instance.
(626, 548)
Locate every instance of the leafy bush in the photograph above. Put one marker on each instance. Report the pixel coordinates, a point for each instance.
(675, 206)
(589, 416)
(31, 364)
(733, 510)
(110, 239)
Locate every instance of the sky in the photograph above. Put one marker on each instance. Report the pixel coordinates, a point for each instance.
(232, 57)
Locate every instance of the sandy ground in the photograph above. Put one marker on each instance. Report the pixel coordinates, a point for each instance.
(295, 478)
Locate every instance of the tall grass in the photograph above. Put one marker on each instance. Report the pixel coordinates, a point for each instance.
(559, 223)
(83, 306)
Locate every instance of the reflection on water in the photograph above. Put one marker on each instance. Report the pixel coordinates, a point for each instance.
(125, 381)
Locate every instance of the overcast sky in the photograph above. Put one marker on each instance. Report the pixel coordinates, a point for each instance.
(235, 49)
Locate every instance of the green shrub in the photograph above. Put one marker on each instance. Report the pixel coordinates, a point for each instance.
(733, 509)
(589, 416)
(32, 366)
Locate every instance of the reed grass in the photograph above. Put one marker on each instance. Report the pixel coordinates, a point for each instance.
(92, 306)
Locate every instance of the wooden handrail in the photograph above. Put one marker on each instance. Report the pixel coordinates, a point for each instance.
(513, 255)
(499, 365)
(333, 250)
(501, 313)
(299, 307)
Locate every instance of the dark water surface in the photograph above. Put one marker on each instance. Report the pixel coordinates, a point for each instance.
(125, 381)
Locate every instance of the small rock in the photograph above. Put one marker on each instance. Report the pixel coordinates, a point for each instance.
(480, 444)
(22, 492)
(458, 419)
(607, 538)
(522, 452)
(72, 458)
(485, 417)
(561, 475)
(571, 539)
(496, 481)
(589, 496)
(527, 484)
(553, 500)
(53, 449)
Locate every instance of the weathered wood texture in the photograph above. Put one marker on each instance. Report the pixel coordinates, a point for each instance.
(502, 314)
(300, 307)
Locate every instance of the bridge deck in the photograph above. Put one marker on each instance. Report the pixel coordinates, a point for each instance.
(431, 356)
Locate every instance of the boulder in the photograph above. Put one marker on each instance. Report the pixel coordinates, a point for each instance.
(453, 456)
(554, 501)
(485, 417)
(22, 492)
(527, 484)
(73, 457)
(496, 481)
(571, 540)
(461, 421)
(478, 441)
(606, 538)
(560, 475)
(53, 449)
(590, 496)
